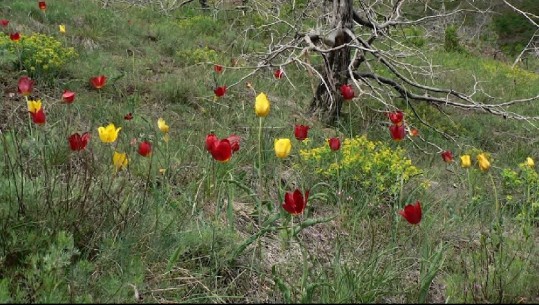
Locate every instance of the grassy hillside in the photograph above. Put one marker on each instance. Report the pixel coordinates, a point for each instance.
(86, 223)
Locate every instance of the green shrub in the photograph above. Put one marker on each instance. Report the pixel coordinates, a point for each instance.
(452, 43)
(414, 36)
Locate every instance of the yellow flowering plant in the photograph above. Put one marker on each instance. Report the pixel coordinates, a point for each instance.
(366, 164)
(40, 54)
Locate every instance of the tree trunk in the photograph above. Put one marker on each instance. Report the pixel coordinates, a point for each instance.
(327, 102)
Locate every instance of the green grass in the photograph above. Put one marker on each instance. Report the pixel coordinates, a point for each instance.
(181, 227)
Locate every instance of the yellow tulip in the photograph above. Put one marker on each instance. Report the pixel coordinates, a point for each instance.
(108, 134)
(262, 105)
(465, 161)
(162, 125)
(34, 106)
(529, 162)
(119, 160)
(484, 164)
(282, 147)
(62, 28)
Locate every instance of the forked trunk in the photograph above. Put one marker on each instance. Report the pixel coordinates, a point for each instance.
(327, 102)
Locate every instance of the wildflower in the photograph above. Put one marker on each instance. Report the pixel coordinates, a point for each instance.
(221, 151)
(278, 73)
(484, 164)
(128, 117)
(347, 91)
(220, 91)
(282, 147)
(119, 160)
(530, 163)
(34, 106)
(78, 142)
(15, 36)
(396, 117)
(38, 116)
(211, 140)
(4, 22)
(262, 105)
(294, 203)
(68, 96)
(25, 85)
(334, 144)
(414, 132)
(234, 141)
(162, 125)
(108, 134)
(42, 5)
(98, 82)
(62, 28)
(397, 132)
(301, 132)
(145, 148)
(218, 68)
(412, 213)
(465, 161)
(447, 156)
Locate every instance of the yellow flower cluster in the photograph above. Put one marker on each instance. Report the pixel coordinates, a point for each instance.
(42, 54)
(197, 55)
(371, 164)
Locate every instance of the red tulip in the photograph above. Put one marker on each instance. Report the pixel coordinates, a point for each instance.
(15, 36)
(68, 96)
(78, 142)
(347, 91)
(234, 141)
(42, 5)
(38, 117)
(278, 73)
(412, 213)
(221, 151)
(145, 148)
(98, 81)
(300, 132)
(447, 156)
(397, 132)
(4, 22)
(294, 203)
(220, 91)
(218, 68)
(334, 144)
(128, 117)
(25, 86)
(211, 140)
(396, 117)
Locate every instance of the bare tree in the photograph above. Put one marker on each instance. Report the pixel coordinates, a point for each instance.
(355, 40)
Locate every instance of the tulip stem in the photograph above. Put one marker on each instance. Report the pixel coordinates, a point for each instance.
(350, 117)
(260, 179)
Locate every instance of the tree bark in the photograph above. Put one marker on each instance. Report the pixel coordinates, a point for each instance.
(327, 102)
